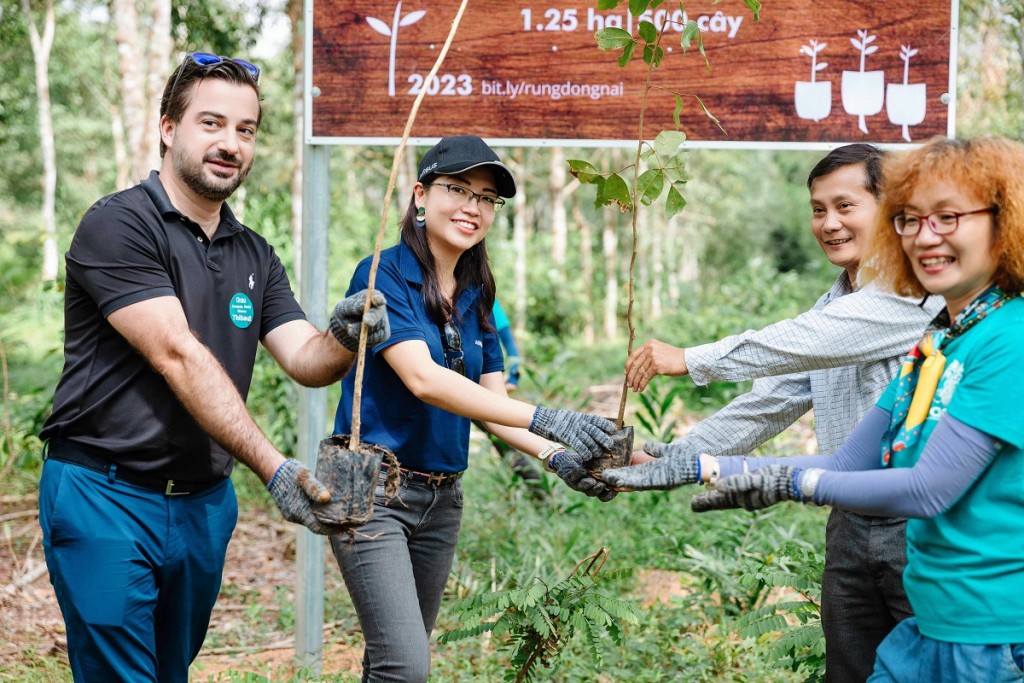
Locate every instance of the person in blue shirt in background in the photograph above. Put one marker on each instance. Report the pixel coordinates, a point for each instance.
(508, 342)
(440, 369)
(519, 462)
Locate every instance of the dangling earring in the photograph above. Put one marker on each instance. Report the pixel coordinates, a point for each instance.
(421, 220)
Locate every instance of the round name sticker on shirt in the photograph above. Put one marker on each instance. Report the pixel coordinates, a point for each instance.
(240, 310)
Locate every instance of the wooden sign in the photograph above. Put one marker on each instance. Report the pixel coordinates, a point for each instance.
(807, 74)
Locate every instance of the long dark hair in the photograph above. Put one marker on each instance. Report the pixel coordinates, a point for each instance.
(472, 270)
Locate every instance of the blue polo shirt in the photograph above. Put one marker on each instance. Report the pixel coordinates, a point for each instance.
(422, 437)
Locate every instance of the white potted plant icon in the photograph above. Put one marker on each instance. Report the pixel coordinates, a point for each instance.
(392, 32)
(813, 98)
(863, 91)
(905, 103)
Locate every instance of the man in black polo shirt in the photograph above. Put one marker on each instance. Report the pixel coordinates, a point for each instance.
(167, 297)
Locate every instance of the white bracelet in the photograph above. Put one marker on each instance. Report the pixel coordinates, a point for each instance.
(545, 455)
(716, 470)
(809, 482)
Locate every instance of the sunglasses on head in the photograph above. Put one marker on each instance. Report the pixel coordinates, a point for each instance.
(205, 59)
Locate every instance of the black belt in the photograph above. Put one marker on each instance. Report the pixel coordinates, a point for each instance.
(76, 454)
(432, 478)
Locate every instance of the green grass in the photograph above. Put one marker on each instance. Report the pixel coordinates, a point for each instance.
(508, 533)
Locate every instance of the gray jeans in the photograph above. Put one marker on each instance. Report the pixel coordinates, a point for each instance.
(862, 596)
(395, 570)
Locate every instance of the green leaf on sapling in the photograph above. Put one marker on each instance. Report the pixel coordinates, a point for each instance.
(668, 141)
(612, 38)
(599, 198)
(690, 33)
(711, 116)
(700, 48)
(648, 32)
(616, 190)
(583, 170)
(627, 54)
(675, 202)
(675, 169)
(608, 4)
(649, 185)
(638, 7)
(678, 110)
(755, 7)
(653, 55)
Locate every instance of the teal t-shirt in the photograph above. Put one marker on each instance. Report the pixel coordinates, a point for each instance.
(965, 567)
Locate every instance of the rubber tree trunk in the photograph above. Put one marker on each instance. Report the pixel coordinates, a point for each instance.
(520, 227)
(556, 188)
(609, 251)
(586, 267)
(143, 57)
(655, 262)
(295, 8)
(41, 45)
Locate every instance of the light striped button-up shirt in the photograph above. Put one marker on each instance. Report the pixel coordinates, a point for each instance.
(836, 358)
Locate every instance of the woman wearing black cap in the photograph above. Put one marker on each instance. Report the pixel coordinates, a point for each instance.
(440, 368)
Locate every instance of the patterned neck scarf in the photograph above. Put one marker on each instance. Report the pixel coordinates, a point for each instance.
(922, 368)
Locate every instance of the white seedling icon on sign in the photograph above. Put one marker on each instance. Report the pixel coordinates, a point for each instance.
(906, 103)
(863, 91)
(392, 32)
(813, 98)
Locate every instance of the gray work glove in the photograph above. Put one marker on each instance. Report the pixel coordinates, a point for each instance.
(753, 490)
(569, 467)
(348, 315)
(677, 464)
(298, 493)
(588, 435)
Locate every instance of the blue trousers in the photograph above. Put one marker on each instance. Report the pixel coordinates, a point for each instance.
(136, 572)
(906, 656)
(395, 569)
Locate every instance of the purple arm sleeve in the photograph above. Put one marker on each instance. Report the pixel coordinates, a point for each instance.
(955, 455)
(860, 452)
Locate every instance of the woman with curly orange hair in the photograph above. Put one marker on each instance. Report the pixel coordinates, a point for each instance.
(944, 445)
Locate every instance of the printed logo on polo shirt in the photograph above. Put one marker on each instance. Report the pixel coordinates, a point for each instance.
(240, 310)
(252, 280)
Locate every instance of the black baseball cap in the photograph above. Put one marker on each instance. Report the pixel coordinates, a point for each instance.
(460, 153)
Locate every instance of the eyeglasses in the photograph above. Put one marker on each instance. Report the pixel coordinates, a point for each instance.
(941, 222)
(205, 59)
(452, 341)
(488, 201)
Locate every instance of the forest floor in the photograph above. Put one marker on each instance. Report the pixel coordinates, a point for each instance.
(259, 573)
(259, 576)
(252, 626)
